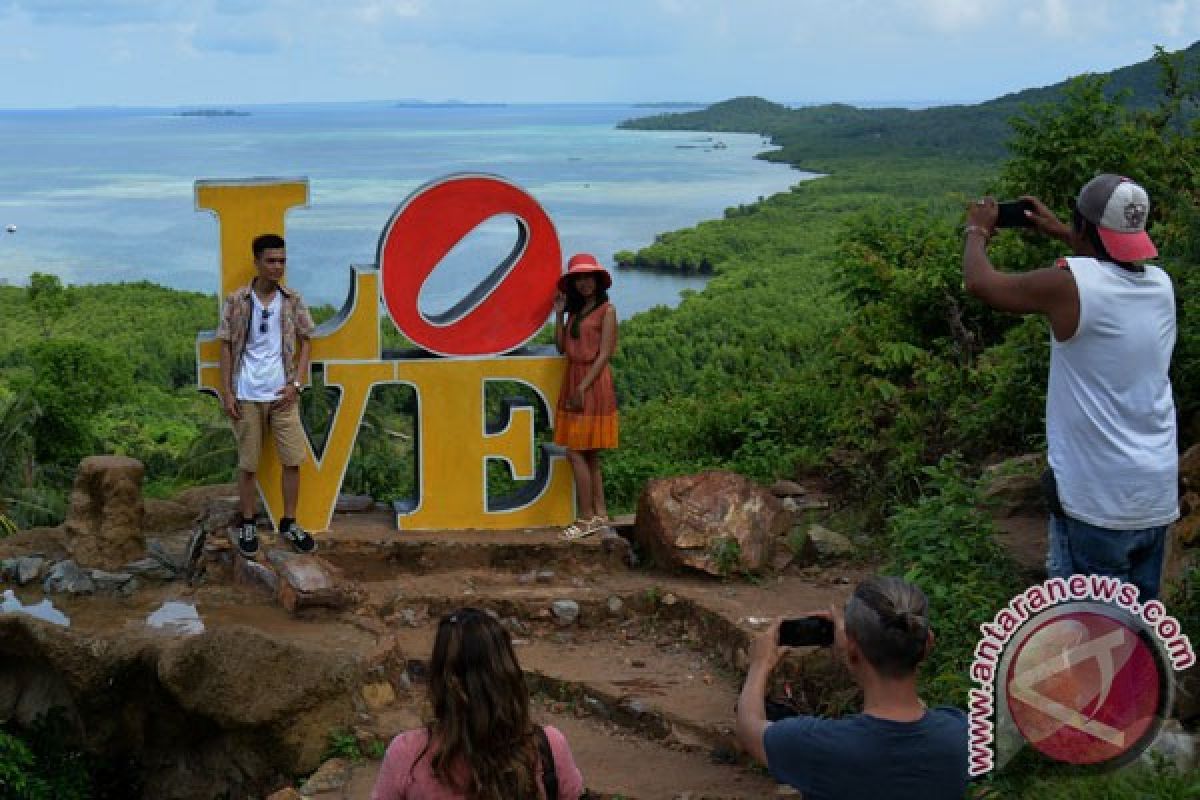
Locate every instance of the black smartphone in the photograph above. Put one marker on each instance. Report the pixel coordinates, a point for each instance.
(1012, 215)
(806, 632)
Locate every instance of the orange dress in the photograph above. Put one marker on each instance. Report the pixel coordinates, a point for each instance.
(595, 426)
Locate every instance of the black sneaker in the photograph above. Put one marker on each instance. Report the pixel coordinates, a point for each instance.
(298, 538)
(245, 536)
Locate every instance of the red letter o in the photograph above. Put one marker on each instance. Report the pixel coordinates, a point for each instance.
(509, 306)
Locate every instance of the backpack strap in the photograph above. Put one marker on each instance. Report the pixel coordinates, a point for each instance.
(549, 771)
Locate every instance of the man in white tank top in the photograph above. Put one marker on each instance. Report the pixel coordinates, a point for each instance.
(1110, 414)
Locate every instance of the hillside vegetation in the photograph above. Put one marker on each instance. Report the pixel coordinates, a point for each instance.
(834, 339)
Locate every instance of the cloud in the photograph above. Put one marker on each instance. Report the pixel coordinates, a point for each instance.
(238, 42)
(98, 12)
(1175, 17)
(616, 28)
(953, 16)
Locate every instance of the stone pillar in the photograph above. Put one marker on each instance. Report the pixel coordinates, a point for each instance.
(104, 523)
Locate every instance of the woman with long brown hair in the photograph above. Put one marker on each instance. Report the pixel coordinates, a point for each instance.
(480, 742)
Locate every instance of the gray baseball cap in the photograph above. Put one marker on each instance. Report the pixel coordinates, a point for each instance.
(1118, 208)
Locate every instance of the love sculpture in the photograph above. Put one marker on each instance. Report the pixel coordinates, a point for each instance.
(454, 438)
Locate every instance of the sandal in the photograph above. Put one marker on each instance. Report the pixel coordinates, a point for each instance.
(580, 529)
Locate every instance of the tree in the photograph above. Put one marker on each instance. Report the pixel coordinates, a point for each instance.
(49, 300)
(71, 381)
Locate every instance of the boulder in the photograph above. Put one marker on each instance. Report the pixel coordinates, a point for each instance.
(354, 504)
(197, 498)
(226, 713)
(310, 582)
(1189, 469)
(165, 516)
(716, 522)
(827, 544)
(254, 575)
(66, 577)
(28, 569)
(785, 488)
(218, 515)
(332, 776)
(565, 611)
(1012, 493)
(110, 582)
(1187, 530)
(104, 523)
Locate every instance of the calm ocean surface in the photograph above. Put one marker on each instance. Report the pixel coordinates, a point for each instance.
(103, 196)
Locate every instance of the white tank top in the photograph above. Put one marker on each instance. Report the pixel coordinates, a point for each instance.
(1110, 416)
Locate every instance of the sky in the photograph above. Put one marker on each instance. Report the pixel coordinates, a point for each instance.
(68, 53)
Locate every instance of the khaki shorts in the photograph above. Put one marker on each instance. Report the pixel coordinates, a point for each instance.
(285, 426)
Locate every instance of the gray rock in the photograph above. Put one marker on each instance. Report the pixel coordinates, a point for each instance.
(354, 503)
(545, 576)
(785, 488)
(615, 606)
(110, 581)
(797, 504)
(172, 561)
(596, 708)
(149, 568)
(566, 612)
(66, 577)
(29, 568)
(827, 543)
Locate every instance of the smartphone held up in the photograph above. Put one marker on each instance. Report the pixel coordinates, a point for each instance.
(1012, 214)
(806, 632)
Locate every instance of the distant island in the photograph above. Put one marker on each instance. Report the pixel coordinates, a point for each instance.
(213, 112)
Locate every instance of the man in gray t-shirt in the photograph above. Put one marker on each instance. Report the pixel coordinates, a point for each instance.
(896, 748)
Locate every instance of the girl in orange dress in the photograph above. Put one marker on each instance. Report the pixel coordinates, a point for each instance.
(585, 328)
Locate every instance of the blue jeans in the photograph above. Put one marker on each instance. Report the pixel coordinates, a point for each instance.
(1133, 556)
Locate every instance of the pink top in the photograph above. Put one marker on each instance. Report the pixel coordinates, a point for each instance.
(398, 780)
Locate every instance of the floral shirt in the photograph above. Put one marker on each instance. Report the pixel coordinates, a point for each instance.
(237, 316)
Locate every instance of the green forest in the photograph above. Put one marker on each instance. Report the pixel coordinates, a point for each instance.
(834, 340)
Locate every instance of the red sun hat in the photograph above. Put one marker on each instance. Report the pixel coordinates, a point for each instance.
(584, 264)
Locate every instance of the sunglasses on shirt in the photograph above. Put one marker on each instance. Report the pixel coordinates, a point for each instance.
(262, 326)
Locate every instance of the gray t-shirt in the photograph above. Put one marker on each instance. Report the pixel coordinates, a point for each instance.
(867, 757)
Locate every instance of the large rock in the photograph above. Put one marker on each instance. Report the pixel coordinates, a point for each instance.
(310, 582)
(165, 516)
(716, 522)
(104, 523)
(1014, 487)
(230, 712)
(826, 544)
(1189, 469)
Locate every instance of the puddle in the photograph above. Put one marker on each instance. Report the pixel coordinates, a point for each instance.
(175, 617)
(44, 610)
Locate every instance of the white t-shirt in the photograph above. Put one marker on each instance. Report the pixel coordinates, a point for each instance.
(1110, 416)
(262, 375)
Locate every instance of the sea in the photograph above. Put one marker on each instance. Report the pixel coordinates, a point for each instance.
(107, 195)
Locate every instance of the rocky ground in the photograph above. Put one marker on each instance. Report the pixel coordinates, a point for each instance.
(286, 676)
(237, 677)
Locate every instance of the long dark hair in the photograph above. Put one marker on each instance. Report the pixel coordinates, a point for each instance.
(575, 301)
(480, 711)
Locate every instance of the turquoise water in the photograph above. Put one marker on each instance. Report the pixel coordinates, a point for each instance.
(101, 196)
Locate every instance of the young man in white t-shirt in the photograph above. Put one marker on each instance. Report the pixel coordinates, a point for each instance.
(264, 333)
(1110, 414)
